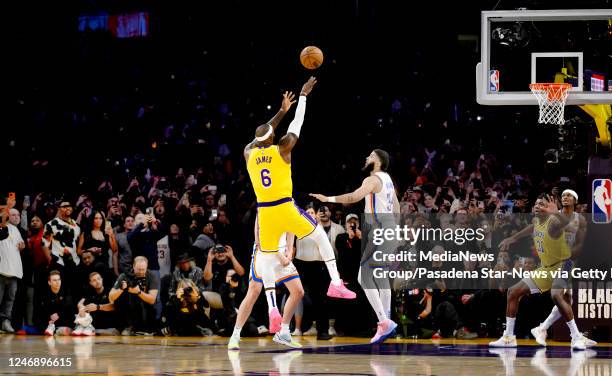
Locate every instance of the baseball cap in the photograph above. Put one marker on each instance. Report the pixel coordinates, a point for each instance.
(350, 216)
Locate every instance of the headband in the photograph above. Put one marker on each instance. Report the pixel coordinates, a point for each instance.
(571, 192)
(265, 136)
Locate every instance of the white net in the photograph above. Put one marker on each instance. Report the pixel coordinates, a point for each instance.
(551, 99)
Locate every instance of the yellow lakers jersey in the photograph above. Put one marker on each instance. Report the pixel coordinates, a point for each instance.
(270, 174)
(550, 250)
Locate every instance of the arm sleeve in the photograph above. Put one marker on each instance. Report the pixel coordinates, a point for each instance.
(296, 124)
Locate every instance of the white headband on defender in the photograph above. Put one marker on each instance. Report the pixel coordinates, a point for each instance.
(571, 192)
(265, 136)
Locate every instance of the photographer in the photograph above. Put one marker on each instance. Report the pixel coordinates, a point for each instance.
(232, 293)
(185, 312)
(218, 263)
(134, 295)
(143, 242)
(186, 269)
(348, 245)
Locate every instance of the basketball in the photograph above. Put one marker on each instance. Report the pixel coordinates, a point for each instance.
(311, 57)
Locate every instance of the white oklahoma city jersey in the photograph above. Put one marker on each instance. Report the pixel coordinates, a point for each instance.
(381, 202)
(571, 229)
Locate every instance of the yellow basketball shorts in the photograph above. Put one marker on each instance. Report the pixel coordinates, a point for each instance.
(277, 217)
(545, 284)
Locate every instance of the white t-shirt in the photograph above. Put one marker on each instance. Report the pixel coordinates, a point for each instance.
(10, 258)
(163, 256)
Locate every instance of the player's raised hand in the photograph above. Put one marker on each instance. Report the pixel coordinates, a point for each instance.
(288, 101)
(307, 87)
(551, 205)
(319, 197)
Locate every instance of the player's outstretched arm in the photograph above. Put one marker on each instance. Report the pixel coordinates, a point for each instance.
(505, 244)
(288, 141)
(368, 186)
(288, 101)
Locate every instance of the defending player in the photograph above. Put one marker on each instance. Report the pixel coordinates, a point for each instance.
(549, 238)
(380, 204)
(270, 269)
(561, 292)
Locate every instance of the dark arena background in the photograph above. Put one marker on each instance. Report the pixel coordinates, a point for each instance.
(128, 216)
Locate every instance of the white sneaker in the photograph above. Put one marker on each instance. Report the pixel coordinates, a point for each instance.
(332, 331)
(78, 331)
(89, 331)
(50, 329)
(297, 332)
(310, 332)
(589, 342)
(504, 341)
(7, 327)
(262, 330)
(579, 343)
(285, 339)
(539, 334)
(234, 343)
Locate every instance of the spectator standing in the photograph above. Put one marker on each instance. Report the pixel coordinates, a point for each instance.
(11, 269)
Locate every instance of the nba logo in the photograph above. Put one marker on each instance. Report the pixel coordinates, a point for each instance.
(494, 81)
(602, 201)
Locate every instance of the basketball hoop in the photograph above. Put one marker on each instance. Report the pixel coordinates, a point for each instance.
(551, 99)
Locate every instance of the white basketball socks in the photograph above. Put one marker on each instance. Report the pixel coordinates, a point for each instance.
(510, 326)
(376, 303)
(574, 332)
(550, 320)
(385, 298)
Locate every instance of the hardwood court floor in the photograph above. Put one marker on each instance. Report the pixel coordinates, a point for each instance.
(261, 356)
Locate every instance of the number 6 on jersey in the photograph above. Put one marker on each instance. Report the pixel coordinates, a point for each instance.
(266, 181)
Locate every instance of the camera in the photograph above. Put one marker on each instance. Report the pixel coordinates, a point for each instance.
(132, 280)
(354, 227)
(187, 291)
(235, 277)
(219, 248)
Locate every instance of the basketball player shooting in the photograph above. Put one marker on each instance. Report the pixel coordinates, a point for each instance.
(380, 198)
(269, 168)
(549, 236)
